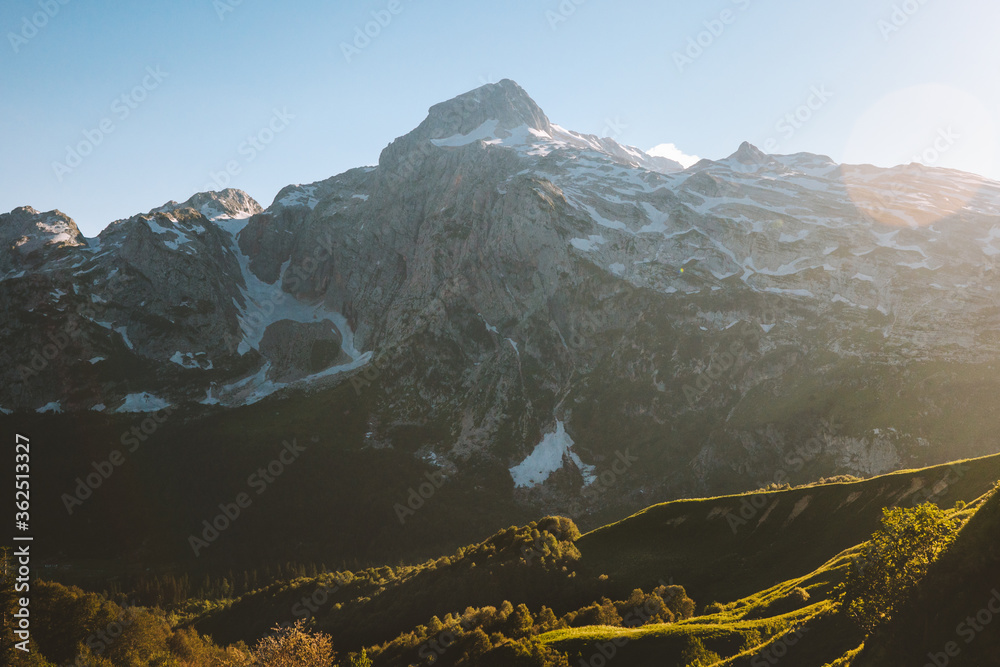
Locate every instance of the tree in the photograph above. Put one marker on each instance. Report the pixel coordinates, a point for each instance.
(677, 600)
(894, 560)
(477, 646)
(520, 622)
(291, 646)
(360, 659)
(602, 612)
(143, 641)
(696, 655)
(546, 620)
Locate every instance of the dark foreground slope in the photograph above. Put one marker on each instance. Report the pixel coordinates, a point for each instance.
(954, 617)
(801, 538)
(736, 581)
(728, 547)
(799, 621)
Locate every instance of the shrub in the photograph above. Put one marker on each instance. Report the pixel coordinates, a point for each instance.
(713, 608)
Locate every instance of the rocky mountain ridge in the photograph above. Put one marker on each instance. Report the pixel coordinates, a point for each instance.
(501, 289)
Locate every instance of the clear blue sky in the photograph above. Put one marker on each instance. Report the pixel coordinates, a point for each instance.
(610, 68)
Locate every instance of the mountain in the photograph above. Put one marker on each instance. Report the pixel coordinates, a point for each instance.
(579, 326)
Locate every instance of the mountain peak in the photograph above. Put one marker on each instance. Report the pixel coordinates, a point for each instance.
(26, 230)
(503, 114)
(747, 153)
(214, 205)
(504, 102)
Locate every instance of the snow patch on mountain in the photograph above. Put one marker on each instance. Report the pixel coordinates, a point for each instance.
(258, 386)
(302, 195)
(265, 304)
(485, 132)
(588, 244)
(548, 456)
(142, 402)
(192, 360)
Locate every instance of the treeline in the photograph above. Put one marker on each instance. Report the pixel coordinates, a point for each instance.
(514, 586)
(169, 590)
(533, 565)
(74, 627)
(70, 626)
(507, 635)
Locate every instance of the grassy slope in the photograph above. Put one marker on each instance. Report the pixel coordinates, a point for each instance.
(768, 625)
(765, 627)
(960, 584)
(689, 543)
(662, 645)
(793, 533)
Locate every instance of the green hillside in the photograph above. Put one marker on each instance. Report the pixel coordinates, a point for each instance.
(729, 547)
(955, 614)
(733, 581)
(800, 538)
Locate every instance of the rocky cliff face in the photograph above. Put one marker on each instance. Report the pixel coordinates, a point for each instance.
(503, 290)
